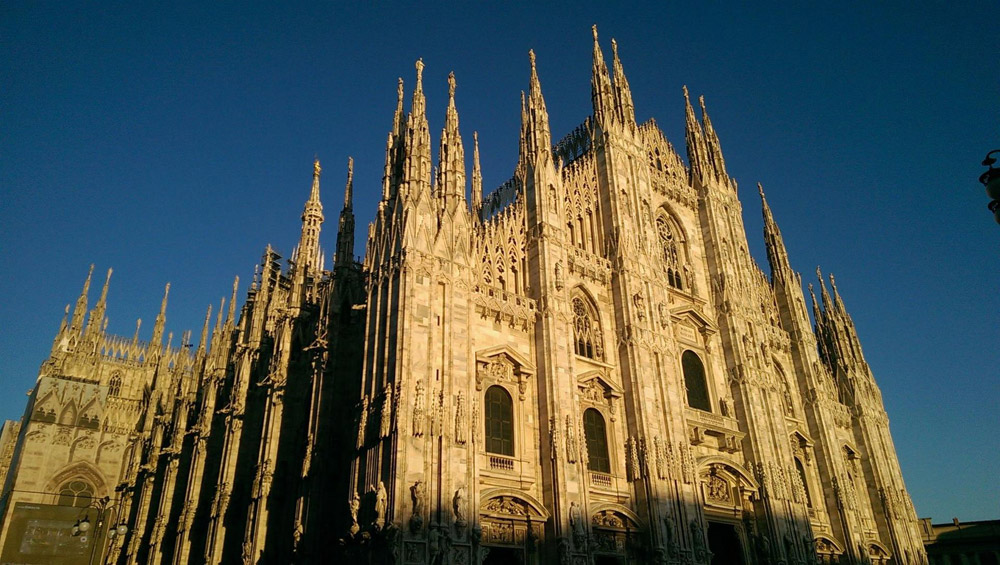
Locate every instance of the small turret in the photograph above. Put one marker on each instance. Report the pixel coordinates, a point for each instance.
(160, 322)
(345, 229)
(477, 179)
(80, 310)
(97, 315)
(203, 342)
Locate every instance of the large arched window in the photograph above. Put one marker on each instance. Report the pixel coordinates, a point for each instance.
(499, 421)
(597, 441)
(76, 492)
(805, 484)
(115, 385)
(694, 381)
(586, 331)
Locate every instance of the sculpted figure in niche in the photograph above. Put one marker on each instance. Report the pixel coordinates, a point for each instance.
(458, 504)
(576, 521)
(380, 503)
(417, 498)
(354, 504)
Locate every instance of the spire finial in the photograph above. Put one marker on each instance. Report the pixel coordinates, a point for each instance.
(399, 91)
(451, 88)
(420, 74)
(593, 28)
(819, 274)
(531, 57)
(614, 47)
(316, 168)
(760, 189)
(701, 102)
(349, 188)
(687, 97)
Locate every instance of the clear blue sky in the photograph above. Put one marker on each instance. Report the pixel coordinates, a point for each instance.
(173, 142)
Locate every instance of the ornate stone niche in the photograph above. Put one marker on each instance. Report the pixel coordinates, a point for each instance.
(504, 366)
(692, 327)
(615, 531)
(827, 550)
(511, 518)
(598, 390)
(725, 485)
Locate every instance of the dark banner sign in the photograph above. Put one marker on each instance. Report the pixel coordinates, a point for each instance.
(43, 533)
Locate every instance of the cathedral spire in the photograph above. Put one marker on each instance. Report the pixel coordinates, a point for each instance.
(312, 218)
(451, 155)
(345, 230)
(203, 342)
(827, 302)
(712, 142)
(94, 326)
(477, 179)
(777, 256)
(695, 138)
(537, 137)
(600, 87)
(417, 160)
(80, 310)
(161, 320)
(399, 118)
(623, 94)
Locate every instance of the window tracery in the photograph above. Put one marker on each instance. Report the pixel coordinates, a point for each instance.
(670, 252)
(115, 385)
(76, 492)
(587, 338)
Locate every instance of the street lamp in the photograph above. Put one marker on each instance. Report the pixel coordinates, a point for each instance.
(991, 180)
(82, 526)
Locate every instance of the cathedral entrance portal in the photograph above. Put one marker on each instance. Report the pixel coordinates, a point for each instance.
(724, 543)
(504, 556)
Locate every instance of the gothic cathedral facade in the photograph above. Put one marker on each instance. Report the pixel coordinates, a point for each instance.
(583, 366)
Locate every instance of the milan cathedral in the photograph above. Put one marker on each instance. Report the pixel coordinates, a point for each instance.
(583, 366)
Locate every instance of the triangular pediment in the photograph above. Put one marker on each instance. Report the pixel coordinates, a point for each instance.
(694, 316)
(505, 352)
(598, 380)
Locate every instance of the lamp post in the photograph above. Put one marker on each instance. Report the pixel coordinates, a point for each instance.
(991, 180)
(116, 531)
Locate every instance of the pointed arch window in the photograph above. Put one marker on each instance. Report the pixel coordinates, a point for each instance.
(596, 434)
(694, 381)
(670, 251)
(499, 421)
(76, 492)
(115, 385)
(805, 484)
(587, 340)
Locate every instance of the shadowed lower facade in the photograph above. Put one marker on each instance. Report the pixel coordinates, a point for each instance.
(583, 366)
